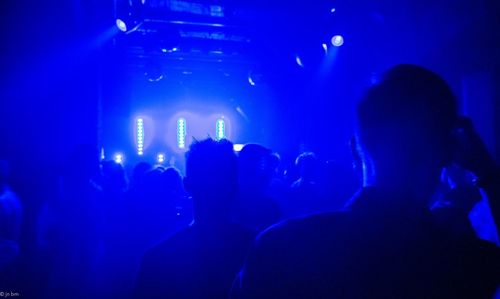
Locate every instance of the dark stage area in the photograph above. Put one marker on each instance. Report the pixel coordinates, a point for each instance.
(250, 149)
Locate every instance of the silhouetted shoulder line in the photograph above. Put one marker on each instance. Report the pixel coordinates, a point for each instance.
(294, 228)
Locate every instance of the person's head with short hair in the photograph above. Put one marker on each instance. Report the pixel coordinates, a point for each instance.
(404, 133)
(211, 179)
(172, 179)
(114, 176)
(139, 172)
(255, 168)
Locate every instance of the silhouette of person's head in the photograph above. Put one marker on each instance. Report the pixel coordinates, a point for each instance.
(256, 170)
(172, 180)
(211, 179)
(114, 175)
(405, 126)
(307, 165)
(153, 183)
(139, 173)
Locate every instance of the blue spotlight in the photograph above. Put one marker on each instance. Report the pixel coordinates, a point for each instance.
(160, 158)
(250, 81)
(220, 129)
(140, 136)
(325, 47)
(181, 133)
(121, 25)
(299, 61)
(337, 40)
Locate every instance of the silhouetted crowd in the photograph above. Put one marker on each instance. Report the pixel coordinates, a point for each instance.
(422, 223)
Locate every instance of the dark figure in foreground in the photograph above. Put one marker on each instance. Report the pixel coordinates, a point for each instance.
(305, 192)
(202, 260)
(10, 228)
(386, 243)
(255, 208)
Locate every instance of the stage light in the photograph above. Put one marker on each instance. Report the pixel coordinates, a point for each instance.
(250, 80)
(299, 61)
(165, 50)
(128, 23)
(160, 158)
(325, 47)
(118, 158)
(238, 147)
(332, 10)
(255, 77)
(337, 40)
(140, 136)
(181, 133)
(121, 25)
(220, 129)
(102, 154)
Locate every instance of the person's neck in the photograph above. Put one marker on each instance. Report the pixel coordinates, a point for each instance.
(210, 217)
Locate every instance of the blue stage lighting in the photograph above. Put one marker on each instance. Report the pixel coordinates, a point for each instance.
(299, 61)
(238, 147)
(140, 136)
(250, 80)
(181, 133)
(118, 158)
(220, 129)
(325, 47)
(337, 40)
(121, 25)
(160, 158)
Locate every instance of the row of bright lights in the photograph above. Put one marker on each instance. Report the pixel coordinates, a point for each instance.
(220, 133)
(160, 158)
(181, 133)
(220, 129)
(140, 136)
(336, 40)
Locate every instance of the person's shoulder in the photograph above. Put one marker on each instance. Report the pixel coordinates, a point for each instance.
(316, 225)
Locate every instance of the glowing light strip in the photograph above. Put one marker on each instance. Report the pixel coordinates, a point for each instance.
(181, 132)
(220, 129)
(140, 136)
